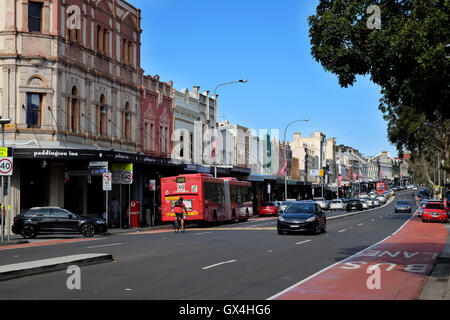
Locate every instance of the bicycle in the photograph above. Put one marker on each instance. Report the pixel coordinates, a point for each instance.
(177, 225)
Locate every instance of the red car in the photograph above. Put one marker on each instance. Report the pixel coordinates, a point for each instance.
(268, 208)
(435, 211)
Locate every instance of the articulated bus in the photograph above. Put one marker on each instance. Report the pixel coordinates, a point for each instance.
(381, 187)
(207, 198)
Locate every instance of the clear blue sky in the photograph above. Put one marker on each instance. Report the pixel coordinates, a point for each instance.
(207, 42)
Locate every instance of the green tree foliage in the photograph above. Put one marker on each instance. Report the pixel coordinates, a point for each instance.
(406, 58)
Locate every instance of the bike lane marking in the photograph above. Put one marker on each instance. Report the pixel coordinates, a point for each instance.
(46, 243)
(405, 260)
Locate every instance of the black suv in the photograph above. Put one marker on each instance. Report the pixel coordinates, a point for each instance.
(55, 220)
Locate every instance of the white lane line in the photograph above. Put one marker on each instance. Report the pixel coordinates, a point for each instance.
(360, 224)
(372, 220)
(218, 264)
(333, 265)
(302, 242)
(197, 234)
(343, 230)
(106, 245)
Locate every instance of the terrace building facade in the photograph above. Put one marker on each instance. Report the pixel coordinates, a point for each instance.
(70, 83)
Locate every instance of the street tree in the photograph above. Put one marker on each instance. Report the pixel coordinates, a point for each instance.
(405, 56)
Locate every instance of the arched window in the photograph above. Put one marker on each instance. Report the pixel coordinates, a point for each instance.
(126, 122)
(101, 116)
(73, 111)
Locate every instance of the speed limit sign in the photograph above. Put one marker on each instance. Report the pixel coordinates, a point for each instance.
(6, 166)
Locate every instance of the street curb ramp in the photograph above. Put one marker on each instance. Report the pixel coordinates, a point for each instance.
(19, 270)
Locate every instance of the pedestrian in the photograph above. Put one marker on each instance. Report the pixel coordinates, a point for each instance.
(115, 211)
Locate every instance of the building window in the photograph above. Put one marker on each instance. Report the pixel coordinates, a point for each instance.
(101, 116)
(126, 122)
(34, 102)
(191, 147)
(73, 110)
(34, 16)
(181, 146)
(160, 139)
(152, 135)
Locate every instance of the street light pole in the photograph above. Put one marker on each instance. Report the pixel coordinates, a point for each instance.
(3, 122)
(215, 105)
(285, 153)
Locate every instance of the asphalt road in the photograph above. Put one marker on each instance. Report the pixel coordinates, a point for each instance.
(230, 262)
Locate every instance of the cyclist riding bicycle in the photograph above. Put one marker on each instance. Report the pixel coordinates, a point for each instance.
(179, 208)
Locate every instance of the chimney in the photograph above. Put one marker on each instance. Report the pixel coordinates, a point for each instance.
(196, 91)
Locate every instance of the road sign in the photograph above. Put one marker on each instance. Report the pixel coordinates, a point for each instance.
(6, 166)
(152, 185)
(99, 170)
(314, 173)
(127, 177)
(107, 181)
(3, 152)
(98, 164)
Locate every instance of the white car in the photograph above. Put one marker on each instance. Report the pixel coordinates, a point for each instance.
(284, 204)
(365, 204)
(321, 202)
(337, 205)
(382, 199)
(370, 202)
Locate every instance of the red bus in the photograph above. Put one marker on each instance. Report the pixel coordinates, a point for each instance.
(207, 198)
(381, 187)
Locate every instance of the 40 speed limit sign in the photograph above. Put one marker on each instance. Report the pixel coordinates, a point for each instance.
(6, 166)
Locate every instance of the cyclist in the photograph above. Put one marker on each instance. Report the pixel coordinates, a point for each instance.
(179, 208)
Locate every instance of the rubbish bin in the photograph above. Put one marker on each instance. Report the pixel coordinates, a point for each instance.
(135, 214)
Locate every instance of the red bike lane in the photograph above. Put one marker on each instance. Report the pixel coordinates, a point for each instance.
(396, 268)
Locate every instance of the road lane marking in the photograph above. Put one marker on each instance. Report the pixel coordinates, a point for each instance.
(105, 245)
(360, 224)
(200, 233)
(343, 230)
(302, 242)
(218, 264)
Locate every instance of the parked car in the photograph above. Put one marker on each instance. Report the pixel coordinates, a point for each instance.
(376, 202)
(321, 202)
(370, 202)
(41, 220)
(354, 204)
(402, 206)
(364, 204)
(285, 204)
(421, 207)
(337, 204)
(382, 199)
(302, 216)
(268, 208)
(435, 211)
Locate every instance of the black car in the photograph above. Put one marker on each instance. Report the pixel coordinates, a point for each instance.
(42, 220)
(354, 204)
(402, 206)
(302, 216)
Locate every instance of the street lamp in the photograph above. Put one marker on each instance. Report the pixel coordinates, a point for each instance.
(215, 105)
(285, 153)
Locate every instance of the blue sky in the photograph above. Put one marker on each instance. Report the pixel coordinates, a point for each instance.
(207, 42)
